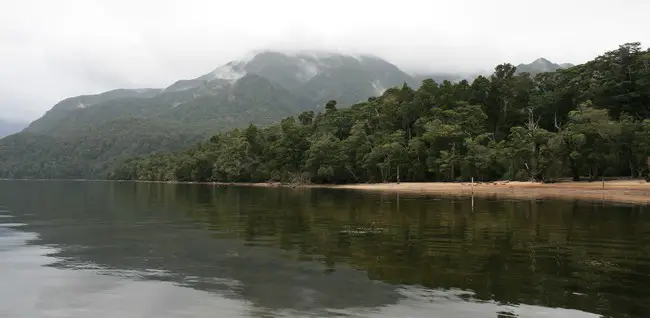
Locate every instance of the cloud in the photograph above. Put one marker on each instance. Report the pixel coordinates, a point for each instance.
(50, 50)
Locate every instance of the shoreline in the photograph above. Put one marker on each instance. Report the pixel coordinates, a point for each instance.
(634, 191)
(619, 191)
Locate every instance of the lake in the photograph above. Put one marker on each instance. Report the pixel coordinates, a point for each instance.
(102, 249)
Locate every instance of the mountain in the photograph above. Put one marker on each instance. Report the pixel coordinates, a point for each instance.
(83, 136)
(541, 65)
(69, 105)
(313, 76)
(10, 127)
(261, 89)
(563, 124)
(441, 77)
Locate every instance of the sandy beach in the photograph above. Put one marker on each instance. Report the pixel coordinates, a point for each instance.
(622, 191)
(627, 191)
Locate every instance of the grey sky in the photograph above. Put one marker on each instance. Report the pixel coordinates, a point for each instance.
(50, 50)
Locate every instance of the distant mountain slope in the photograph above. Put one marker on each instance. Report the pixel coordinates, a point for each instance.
(261, 88)
(89, 153)
(350, 80)
(541, 65)
(314, 77)
(203, 109)
(72, 104)
(82, 136)
(10, 127)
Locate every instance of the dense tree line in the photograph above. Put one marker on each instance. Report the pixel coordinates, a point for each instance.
(86, 142)
(92, 152)
(587, 121)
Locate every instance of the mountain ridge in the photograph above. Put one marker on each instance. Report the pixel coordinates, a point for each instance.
(310, 77)
(541, 65)
(234, 70)
(96, 131)
(83, 136)
(9, 127)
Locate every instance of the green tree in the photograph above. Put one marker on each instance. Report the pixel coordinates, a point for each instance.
(589, 120)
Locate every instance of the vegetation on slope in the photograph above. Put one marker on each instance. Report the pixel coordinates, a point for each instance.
(89, 154)
(83, 136)
(87, 142)
(590, 120)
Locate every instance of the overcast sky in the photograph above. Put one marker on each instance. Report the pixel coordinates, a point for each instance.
(50, 50)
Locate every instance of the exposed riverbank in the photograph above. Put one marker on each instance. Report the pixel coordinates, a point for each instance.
(628, 191)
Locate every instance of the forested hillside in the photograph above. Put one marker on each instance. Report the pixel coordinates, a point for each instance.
(586, 121)
(89, 154)
(84, 136)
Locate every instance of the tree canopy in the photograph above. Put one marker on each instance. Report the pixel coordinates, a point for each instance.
(587, 121)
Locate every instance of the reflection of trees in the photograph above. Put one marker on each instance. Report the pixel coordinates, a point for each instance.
(139, 231)
(551, 253)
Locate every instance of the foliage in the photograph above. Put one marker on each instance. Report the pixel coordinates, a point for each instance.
(273, 85)
(90, 154)
(589, 120)
(86, 142)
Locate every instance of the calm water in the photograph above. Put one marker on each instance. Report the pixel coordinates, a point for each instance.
(94, 249)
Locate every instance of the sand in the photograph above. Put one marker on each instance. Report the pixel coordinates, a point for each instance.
(623, 191)
(626, 191)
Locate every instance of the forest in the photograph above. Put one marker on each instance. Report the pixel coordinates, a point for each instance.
(585, 122)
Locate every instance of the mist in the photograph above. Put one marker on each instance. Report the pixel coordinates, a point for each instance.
(53, 50)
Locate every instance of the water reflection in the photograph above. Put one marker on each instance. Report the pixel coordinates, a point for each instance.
(31, 289)
(291, 251)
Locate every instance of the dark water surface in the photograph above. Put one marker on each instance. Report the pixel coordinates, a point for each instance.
(100, 249)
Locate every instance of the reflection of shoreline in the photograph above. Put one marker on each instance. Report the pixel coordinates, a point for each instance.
(31, 287)
(284, 247)
(263, 276)
(624, 191)
(104, 291)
